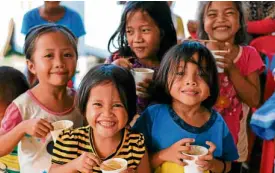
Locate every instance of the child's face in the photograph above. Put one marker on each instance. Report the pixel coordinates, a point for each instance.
(221, 21)
(53, 60)
(105, 112)
(188, 88)
(143, 35)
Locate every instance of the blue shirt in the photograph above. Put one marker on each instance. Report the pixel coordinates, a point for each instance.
(162, 127)
(71, 20)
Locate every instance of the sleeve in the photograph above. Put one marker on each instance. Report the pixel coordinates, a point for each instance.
(265, 26)
(144, 125)
(78, 26)
(11, 118)
(254, 62)
(26, 24)
(230, 152)
(262, 121)
(138, 148)
(65, 148)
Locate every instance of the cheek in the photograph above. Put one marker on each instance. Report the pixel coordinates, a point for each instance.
(207, 26)
(91, 118)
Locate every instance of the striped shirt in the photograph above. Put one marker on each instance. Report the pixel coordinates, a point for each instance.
(72, 143)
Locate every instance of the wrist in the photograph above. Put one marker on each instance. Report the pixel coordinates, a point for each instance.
(218, 166)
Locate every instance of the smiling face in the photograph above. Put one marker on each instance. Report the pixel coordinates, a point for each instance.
(188, 87)
(221, 21)
(105, 111)
(143, 35)
(53, 60)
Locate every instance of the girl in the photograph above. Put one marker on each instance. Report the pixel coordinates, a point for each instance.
(12, 84)
(51, 55)
(107, 99)
(240, 86)
(145, 33)
(187, 85)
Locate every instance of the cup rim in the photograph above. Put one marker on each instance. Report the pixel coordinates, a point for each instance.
(148, 70)
(202, 147)
(67, 121)
(124, 161)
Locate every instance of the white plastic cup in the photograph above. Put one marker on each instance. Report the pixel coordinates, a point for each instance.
(59, 126)
(123, 163)
(140, 74)
(220, 70)
(192, 167)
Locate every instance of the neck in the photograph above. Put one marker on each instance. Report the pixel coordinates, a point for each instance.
(150, 62)
(52, 11)
(105, 146)
(187, 111)
(57, 93)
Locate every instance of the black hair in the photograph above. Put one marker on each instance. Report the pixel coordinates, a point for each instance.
(12, 84)
(119, 76)
(241, 35)
(184, 51)
(35, 32)
(160, 13)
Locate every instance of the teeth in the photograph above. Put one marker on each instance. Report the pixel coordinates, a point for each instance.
(107, 123)
(190, 92)
(221, 28)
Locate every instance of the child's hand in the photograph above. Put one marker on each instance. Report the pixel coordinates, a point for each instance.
(38, 127)
(206, 162)
(227, 63)
(86, 162)
(174, 152)
(123, 62)
(142, 88)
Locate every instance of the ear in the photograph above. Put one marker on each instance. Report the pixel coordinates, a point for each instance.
(31, 66)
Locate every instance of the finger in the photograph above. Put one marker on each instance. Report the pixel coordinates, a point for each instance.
(141, 89)
(180, 162)
(201, 163)
(43, 128)
(144, 84)
(89, 163)
(185, 157)
(185, 148)
(185, 140)
(221, 65)
(94, 158)
(47, 124)
(40, 133)
(206, 157)
(212, 147)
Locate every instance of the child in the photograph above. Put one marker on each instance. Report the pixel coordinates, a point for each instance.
(51, 55)
(145, 33)
(188, 80)
(107, 99)
(12, 84)
(224, 23)
(262, 123)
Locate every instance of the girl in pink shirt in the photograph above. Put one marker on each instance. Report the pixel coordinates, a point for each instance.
(223, 23)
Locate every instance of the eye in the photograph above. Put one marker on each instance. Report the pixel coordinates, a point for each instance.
(68, 55)
(146, 30)
(97, 104)
(211, 15)
(181, 73)
(230, 13)
(118, 105)
(129, 32)
(48, 55)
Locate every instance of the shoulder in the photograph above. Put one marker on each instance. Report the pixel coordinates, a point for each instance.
(248, 49)
(23, 99)
(157, 108)
(134, 139)
(75, 133)
(71, 12)
(31, 13)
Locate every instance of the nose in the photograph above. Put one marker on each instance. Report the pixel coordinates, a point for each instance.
(221, 17)
(107, 111)
(59, 62)
(138, 37)
(190, 80)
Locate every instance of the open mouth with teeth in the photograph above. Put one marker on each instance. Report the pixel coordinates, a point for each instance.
(221, 28)
(107, 124)
(191, 93)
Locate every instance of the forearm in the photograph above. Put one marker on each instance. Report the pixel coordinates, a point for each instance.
(155, 159)
(218, 166)
(9, 140)
(68, 168)
(245, 89)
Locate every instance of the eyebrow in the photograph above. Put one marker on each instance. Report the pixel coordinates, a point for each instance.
(215, 10)
(60, 49)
